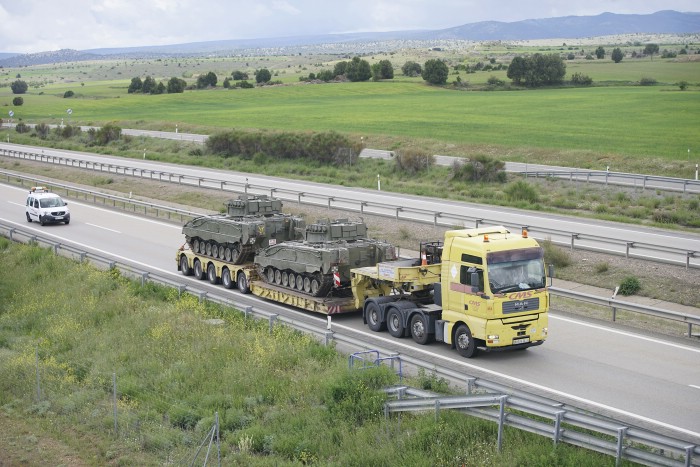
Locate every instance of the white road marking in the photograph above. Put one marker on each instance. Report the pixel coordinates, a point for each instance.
(694, 386)
(627, 334)
(104, 228)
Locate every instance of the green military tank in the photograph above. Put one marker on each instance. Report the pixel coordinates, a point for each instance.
(251, 222)
(329, 247)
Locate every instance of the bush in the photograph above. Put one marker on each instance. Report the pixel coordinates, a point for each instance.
(521, 191)
(579, 79)
(629, 286)
(412, 161)
(479, 169)
(647, 82)
(68, 94)
(22, 127)
(557, 257)
(19, 87)
(17, 101)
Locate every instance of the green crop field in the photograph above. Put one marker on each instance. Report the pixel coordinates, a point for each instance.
(616, 116)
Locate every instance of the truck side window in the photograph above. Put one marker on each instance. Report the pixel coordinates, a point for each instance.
(465, 273)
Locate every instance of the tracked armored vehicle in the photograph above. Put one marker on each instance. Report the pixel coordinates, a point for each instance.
(251, 223)
(329, 247)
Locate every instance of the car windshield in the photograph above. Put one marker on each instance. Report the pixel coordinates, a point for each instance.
(51, 202)
(516, 270)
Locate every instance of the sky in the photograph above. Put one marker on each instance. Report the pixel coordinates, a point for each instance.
(30, 26)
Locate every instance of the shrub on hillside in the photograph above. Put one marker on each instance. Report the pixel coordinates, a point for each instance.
(412, 161)
(521, 191)
(629, 286)
(479, 169)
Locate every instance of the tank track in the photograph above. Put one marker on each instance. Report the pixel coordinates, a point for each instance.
(223, 252)
(283, 279)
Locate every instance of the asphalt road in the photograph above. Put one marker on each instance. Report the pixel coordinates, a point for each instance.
(648, 381)
(593, 234)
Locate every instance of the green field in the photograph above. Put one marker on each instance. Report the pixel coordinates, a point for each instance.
(618, 118)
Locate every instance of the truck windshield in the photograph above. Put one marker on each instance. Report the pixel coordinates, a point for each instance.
(515, 270)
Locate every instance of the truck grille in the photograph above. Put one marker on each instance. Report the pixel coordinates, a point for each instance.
(518, 306)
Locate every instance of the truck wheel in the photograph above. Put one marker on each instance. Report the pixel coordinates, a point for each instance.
(185, 266)
(374, 318)
(198, 270)
(226, 278)
(211, 274)
(466, 346)
(393, 322)
(242, 282)
(419, 329)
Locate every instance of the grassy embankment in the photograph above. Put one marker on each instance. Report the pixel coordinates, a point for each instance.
(282, 398)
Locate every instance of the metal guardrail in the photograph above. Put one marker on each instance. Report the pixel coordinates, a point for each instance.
(516, 408)
(629, 249)
(653, 182)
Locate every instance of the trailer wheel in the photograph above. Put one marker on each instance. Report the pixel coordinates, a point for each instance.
(198, 270)
(211, 274)
(466, 346)
(226, 278)
(419, 329)
(185, 266)
(393, 323)
(374, 318)
(242, 282)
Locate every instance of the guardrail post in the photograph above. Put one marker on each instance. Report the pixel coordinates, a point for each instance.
(328, 337)
(689, 455)
(398, 210)
(11, 231)
(477, 222)
(688, 255)
(180, 290)
(644, 183)
(272, 192)
(437, 409)
(199, 182)
(330, 199)
(247, 311)
(362, 206)
(272, 322)
(621, 432)
(471, 384)
(56, 246)
(627, 251)
(614, 313)
(557, 426)
(202, 296)
(501, 421)
(83, 255)
(299, 195)
(435, 218)
(144, 276)
(574, 236)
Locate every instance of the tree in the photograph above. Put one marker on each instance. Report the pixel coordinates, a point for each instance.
(263, 76)
(617, 55)
(135, 86)
(600, 52)
(325, 75)
(537, 70)
(358, 70)
(207, 80)
(17, 101)
(651, 49)
(68, 94)
(340, 68)
(382, 70)
(176, 85)
(411, 69)
(19, 87)
(149, 85)
(160, 88)
(435, 71)
(239, 75)
(516, 69)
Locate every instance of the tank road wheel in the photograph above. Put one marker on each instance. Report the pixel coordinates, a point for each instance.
(198, 270)
(235, 253)
(419, 329)
(226, 278)
(185, 266)
(393, 323)
(211, 274)
(222, 251)
(207, 249)
(465, 342)
(195, 245)
(315, 286)
(227, 254)
(215, 250)
(284, 279)
(279, 278)
(300, 283)
(242, 283)
(270, 275)
(374, 317)
(307, 284)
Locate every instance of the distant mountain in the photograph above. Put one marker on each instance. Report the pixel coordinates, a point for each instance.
(566, 27)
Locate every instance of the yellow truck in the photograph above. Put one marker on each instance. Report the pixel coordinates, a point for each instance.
(482, 289)
(479, 289)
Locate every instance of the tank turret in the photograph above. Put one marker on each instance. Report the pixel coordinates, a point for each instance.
(236, 238)
(330, 247)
